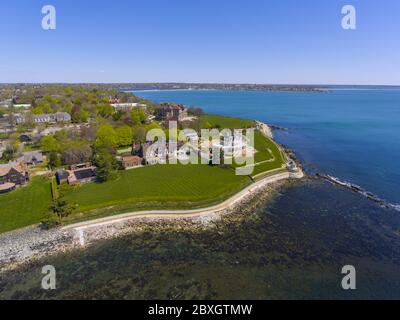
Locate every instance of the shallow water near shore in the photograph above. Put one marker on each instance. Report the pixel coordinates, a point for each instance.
(292, 246)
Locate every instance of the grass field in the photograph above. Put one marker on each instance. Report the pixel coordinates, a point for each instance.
(227, 122)
(25, 206)
(31, 147)
(177, 186)
(153, 187)
(126, 150)
(266, 148)
(268, 156)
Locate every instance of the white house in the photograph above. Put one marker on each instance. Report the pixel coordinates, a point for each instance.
(127, 106)
(45, 118)
(234, 145)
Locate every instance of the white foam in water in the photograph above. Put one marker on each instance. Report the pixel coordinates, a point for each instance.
(395, 206)
(369, 195)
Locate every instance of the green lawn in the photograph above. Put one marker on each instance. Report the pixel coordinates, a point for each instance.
(31, 147)
(25, 206)
(227, 122)
(268, 156)
(126, 150)
(267, 149)
(157, 187)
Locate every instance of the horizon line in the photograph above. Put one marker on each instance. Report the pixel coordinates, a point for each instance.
(199, 83)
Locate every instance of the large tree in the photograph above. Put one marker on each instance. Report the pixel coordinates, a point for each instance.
(104, 110)
(139, 134)
(54, 160)
(106, 164)
(50, 144)
(79, 115)
(138, 116)
(106, 137)
(61, 209)
(77, 154)
(88, 133)
(125, 135)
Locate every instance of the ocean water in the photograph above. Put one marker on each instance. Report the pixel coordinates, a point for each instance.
(351, 134)
(293, 247)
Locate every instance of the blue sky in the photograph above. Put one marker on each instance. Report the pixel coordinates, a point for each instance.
(255, 41)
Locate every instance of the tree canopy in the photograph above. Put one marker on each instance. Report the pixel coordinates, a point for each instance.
(125, 135)
(106, 137)
(50, 144)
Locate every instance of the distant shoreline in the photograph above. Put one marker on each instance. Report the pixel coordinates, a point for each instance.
(320, 90)
(133, 90)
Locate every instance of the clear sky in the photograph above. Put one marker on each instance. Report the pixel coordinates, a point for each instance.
(252, 41)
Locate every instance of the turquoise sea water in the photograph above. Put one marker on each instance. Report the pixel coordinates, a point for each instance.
(351, 134)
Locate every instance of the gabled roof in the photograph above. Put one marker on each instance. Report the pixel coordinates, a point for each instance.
(5, 168)
(34, 155)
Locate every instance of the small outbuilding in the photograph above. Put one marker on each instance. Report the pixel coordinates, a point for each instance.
(82, 175)
(62, 176)
(131, 161)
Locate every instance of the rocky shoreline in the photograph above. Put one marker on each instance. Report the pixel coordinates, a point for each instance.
(23, 245)
(265, 129)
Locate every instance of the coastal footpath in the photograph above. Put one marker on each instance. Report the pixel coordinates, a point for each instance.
(21, 246)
